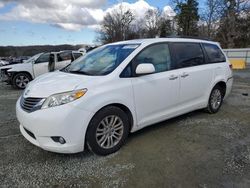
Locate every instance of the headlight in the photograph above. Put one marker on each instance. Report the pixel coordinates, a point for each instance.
(63, 98)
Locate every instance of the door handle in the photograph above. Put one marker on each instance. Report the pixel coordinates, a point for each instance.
(184, 75)
(173, 77)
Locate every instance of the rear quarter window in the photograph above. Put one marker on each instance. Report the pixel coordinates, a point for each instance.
(214, 53)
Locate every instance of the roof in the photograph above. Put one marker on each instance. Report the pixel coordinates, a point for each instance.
(154, 40)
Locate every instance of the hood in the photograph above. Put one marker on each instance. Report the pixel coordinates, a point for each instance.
(17, 67)
(57, 82)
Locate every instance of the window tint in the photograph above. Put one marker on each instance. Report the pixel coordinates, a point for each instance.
(64, 56)
(43, 58)
(214, 53)
(188, 54)
(77, 55)
(158, 55)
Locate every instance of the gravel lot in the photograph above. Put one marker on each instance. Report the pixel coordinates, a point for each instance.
(193, 150)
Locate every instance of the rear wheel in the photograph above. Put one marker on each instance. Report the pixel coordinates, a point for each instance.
(21, 80)
(108, 130)
(215, 100)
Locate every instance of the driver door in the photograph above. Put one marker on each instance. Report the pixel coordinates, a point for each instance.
(156, 95)
(41, 64)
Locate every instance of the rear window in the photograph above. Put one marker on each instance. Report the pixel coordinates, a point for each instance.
(214, 53)
(187, 54)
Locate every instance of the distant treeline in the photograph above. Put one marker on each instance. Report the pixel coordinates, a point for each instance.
(16, 51)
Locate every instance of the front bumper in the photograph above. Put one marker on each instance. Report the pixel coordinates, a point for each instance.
(4, 77)
(65, 121)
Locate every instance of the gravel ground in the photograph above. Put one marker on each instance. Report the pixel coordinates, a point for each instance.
(193, 150)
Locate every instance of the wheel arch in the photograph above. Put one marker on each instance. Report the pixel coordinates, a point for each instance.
(25, 72)
(223, 86)
(119, 105)
(122, 107)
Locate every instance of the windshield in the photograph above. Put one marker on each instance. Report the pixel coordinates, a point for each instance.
(102, 60)
(33, 58)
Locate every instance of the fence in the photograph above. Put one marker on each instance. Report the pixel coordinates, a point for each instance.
(239, 53)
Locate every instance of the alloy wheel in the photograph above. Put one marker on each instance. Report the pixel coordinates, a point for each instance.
(109, 132)
(216, 99)
(22, 81)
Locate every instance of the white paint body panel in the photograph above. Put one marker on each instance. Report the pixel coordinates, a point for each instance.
(40, 68)
(62, 64)
(150, 98)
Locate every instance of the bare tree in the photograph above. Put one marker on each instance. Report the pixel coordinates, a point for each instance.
(211, 16)
(116, 26)
(234, 15)
(152, 22)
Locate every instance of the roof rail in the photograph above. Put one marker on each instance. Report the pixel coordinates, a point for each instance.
(190, 37)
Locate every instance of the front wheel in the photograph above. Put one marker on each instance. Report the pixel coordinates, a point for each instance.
(108, 130)
(215, 100)
(21, 80)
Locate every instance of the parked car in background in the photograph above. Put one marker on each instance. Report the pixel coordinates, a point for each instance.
(120, 88)
(3, 63)
(19, 75)
(18, 60)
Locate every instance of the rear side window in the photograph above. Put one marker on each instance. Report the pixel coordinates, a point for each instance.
(158, 55)
(187, 54)
(214, 53)
(64, 56)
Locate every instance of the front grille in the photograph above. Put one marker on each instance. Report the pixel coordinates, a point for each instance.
(30, 133)
(30, 104)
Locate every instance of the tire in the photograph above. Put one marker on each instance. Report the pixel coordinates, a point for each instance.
(20, 80)
(109, 124)
(215, 100)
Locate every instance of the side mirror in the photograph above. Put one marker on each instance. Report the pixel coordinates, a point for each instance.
(145, 68)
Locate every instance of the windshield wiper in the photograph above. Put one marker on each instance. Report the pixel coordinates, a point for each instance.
(79, 72)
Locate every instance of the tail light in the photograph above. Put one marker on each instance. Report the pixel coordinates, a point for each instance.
(231, 66)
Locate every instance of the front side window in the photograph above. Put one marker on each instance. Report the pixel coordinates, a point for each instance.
(214, 53)
(43, 58)
(188, 54)
(33, 58)
(102, 60)
(64, 56)
(158, 55)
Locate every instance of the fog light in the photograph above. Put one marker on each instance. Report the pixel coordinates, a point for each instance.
(58, 139)
(61, 140)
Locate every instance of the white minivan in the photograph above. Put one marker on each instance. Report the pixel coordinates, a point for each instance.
(120, 88)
